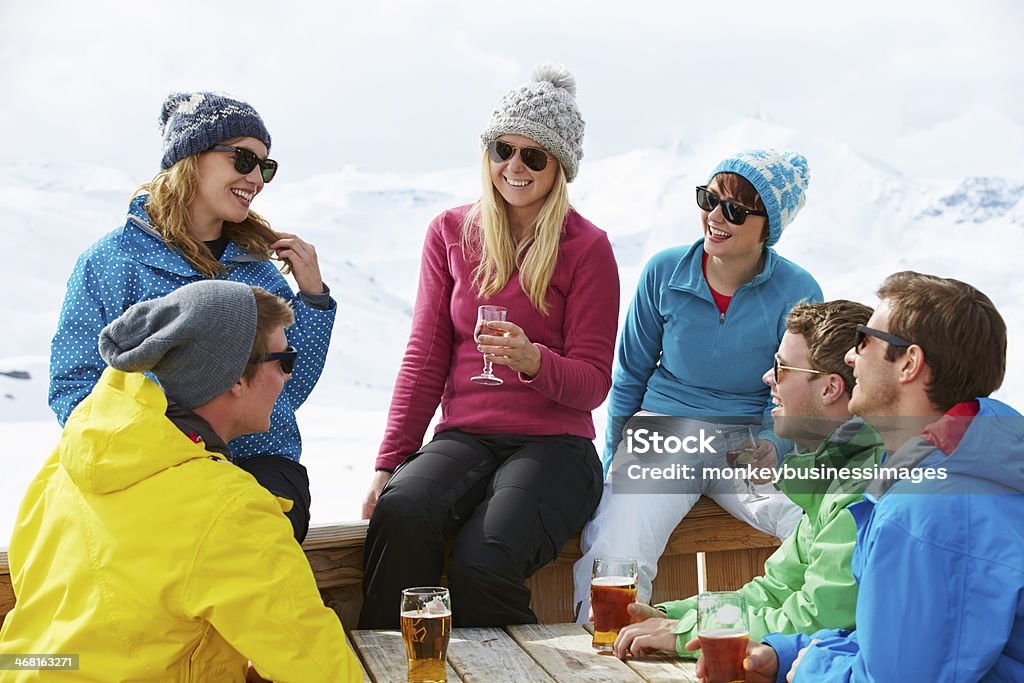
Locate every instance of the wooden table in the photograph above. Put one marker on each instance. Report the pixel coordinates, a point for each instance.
(538, 653)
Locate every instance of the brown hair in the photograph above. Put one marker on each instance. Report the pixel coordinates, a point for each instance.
(958, 328)
(171, 191)
(271, 312)
(830, 330)
(739, 188)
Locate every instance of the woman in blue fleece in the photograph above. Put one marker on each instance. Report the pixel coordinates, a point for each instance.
(703, 327)
(193, 222)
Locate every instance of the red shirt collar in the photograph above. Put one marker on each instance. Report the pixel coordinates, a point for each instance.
(946, 433)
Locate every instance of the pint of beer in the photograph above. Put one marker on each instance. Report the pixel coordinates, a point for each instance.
(722, 630)
(612, 589)
(426, 627)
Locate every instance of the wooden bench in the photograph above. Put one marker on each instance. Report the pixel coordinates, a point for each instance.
(710, 547)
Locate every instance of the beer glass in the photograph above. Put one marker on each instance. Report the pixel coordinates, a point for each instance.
(426, 628)
(740, 448)
(486, 314)
(612, 590)
(723, 633)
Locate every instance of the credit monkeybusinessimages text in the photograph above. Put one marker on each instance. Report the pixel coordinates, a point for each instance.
(683, 472)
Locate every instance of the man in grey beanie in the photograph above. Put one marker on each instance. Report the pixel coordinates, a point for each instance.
(139, 525)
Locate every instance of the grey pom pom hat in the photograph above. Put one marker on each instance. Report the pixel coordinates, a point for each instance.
(544, 110)
(196, 340)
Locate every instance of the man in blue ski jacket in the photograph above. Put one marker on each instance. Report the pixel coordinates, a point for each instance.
(940, 532)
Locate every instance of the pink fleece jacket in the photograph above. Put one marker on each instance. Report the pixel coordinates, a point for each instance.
(576, 341)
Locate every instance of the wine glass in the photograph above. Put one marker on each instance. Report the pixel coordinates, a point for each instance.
(739, 452)
(486, 314)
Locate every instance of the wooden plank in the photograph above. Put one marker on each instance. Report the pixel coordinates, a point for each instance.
(731, 569)
(6, 587)
(489, 655)
(710, 533)
(383, 656)
(660, 668)
(366, 677)
(664, 668)
(676, 579)
(565, 652)
(343, 535)
(551, 593)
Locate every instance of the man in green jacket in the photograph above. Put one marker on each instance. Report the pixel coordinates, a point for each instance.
(808, 583)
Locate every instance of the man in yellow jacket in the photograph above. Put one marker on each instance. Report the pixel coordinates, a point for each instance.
(139, 547)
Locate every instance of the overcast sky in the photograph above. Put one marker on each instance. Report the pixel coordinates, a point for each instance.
(932, 87)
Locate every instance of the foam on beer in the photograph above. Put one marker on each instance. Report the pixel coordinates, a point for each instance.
(422, 614)
(613, 581)
(724, 633)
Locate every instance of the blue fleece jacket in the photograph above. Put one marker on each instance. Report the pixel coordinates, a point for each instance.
(678, 355)
(940, 566)
(132, 264)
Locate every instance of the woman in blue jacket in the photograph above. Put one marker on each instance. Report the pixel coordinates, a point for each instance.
(702, 329)
(192, 222)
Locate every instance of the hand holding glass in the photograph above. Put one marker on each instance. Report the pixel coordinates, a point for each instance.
(740, 448)
(612, 591)
(723, 632)
(486, 314)
(426, 628)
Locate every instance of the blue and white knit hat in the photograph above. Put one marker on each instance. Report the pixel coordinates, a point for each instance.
(193, 122)
(779, 178)
(544, 110)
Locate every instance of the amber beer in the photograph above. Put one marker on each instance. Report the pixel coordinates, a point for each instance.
(426, 619)
(426, 645)
(724, 650)
(610, 596)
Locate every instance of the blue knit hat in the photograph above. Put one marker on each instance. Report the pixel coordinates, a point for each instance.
(780, 179)
(193, 122)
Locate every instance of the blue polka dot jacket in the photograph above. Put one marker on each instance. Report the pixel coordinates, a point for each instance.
(133, 264)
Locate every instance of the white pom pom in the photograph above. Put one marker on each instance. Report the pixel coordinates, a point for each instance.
(556, 74)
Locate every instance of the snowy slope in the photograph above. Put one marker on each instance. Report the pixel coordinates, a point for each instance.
(864, 220)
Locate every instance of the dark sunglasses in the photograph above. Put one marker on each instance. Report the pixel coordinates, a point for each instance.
(778, 366)
(286, 357)
(733, 212)
(863, 332)
(534, 158)
(246, 160)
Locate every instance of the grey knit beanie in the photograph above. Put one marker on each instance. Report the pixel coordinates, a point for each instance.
(193, 122)
(545, 110)
(196, 340)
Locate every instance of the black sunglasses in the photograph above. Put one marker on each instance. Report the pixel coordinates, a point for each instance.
(534, 158)
(246, 160)
(287, 358)
(733, 212)
(863, 332)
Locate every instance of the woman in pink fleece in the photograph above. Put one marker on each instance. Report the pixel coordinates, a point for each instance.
(511, 472)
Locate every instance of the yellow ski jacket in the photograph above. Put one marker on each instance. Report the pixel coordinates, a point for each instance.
(154, 559)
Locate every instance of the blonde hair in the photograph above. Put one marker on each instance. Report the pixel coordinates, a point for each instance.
(171, 192)
(487, 235)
